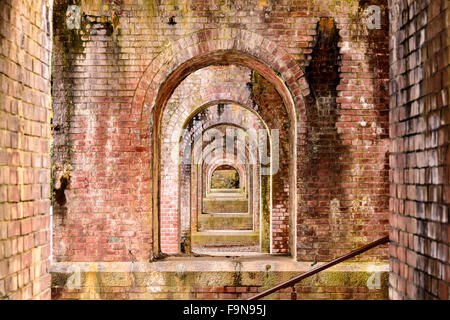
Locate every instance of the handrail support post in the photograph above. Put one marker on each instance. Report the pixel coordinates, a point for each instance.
(293, 293)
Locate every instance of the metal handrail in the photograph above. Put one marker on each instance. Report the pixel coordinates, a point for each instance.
(293, 281)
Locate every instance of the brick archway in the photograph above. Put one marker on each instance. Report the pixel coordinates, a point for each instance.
(224, 46)
(198, 171)
(176, 204)
(212, 47)
(208, 97)
(175, 125)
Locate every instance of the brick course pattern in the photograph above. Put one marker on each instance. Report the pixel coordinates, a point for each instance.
(25, 49)
(420, 153)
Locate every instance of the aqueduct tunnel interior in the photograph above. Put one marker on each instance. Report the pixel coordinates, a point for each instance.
(181, 149)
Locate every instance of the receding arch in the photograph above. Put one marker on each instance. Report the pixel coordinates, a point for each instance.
(207, 125)
(246, 164)
(214, 47)
(184, 206)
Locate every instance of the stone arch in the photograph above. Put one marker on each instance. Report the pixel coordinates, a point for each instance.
(237, 125)
(209, 47)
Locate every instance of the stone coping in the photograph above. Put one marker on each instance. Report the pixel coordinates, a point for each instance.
(253, 263)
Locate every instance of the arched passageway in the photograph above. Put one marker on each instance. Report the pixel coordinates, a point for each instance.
(166, 222)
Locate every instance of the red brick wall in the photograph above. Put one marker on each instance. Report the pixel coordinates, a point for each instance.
(107, 76)
(25, 42)
(344, 167)
(420, 153)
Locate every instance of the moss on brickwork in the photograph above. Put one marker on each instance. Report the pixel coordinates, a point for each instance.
(269, 280)
(115, 82)
(192, 285)
(60, 187)
(72, 37)
(68, 44)
(59, 280)
(327, 29)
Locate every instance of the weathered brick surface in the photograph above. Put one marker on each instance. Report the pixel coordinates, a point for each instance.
(113, 281)
(419, 130)
(185, 110)
(220, 118)
(113, 79)
(25, 48)
(231, 292)
(323, 81)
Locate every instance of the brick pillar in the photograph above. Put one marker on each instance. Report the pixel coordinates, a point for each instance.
(25, 42)
(420, 153)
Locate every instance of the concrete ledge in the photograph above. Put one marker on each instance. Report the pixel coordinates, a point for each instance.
(213, 278)
(220, 264)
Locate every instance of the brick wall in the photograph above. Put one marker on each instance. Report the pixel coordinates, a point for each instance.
(111, 75)
(344, 171)
(25, 48)
(420, 153)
